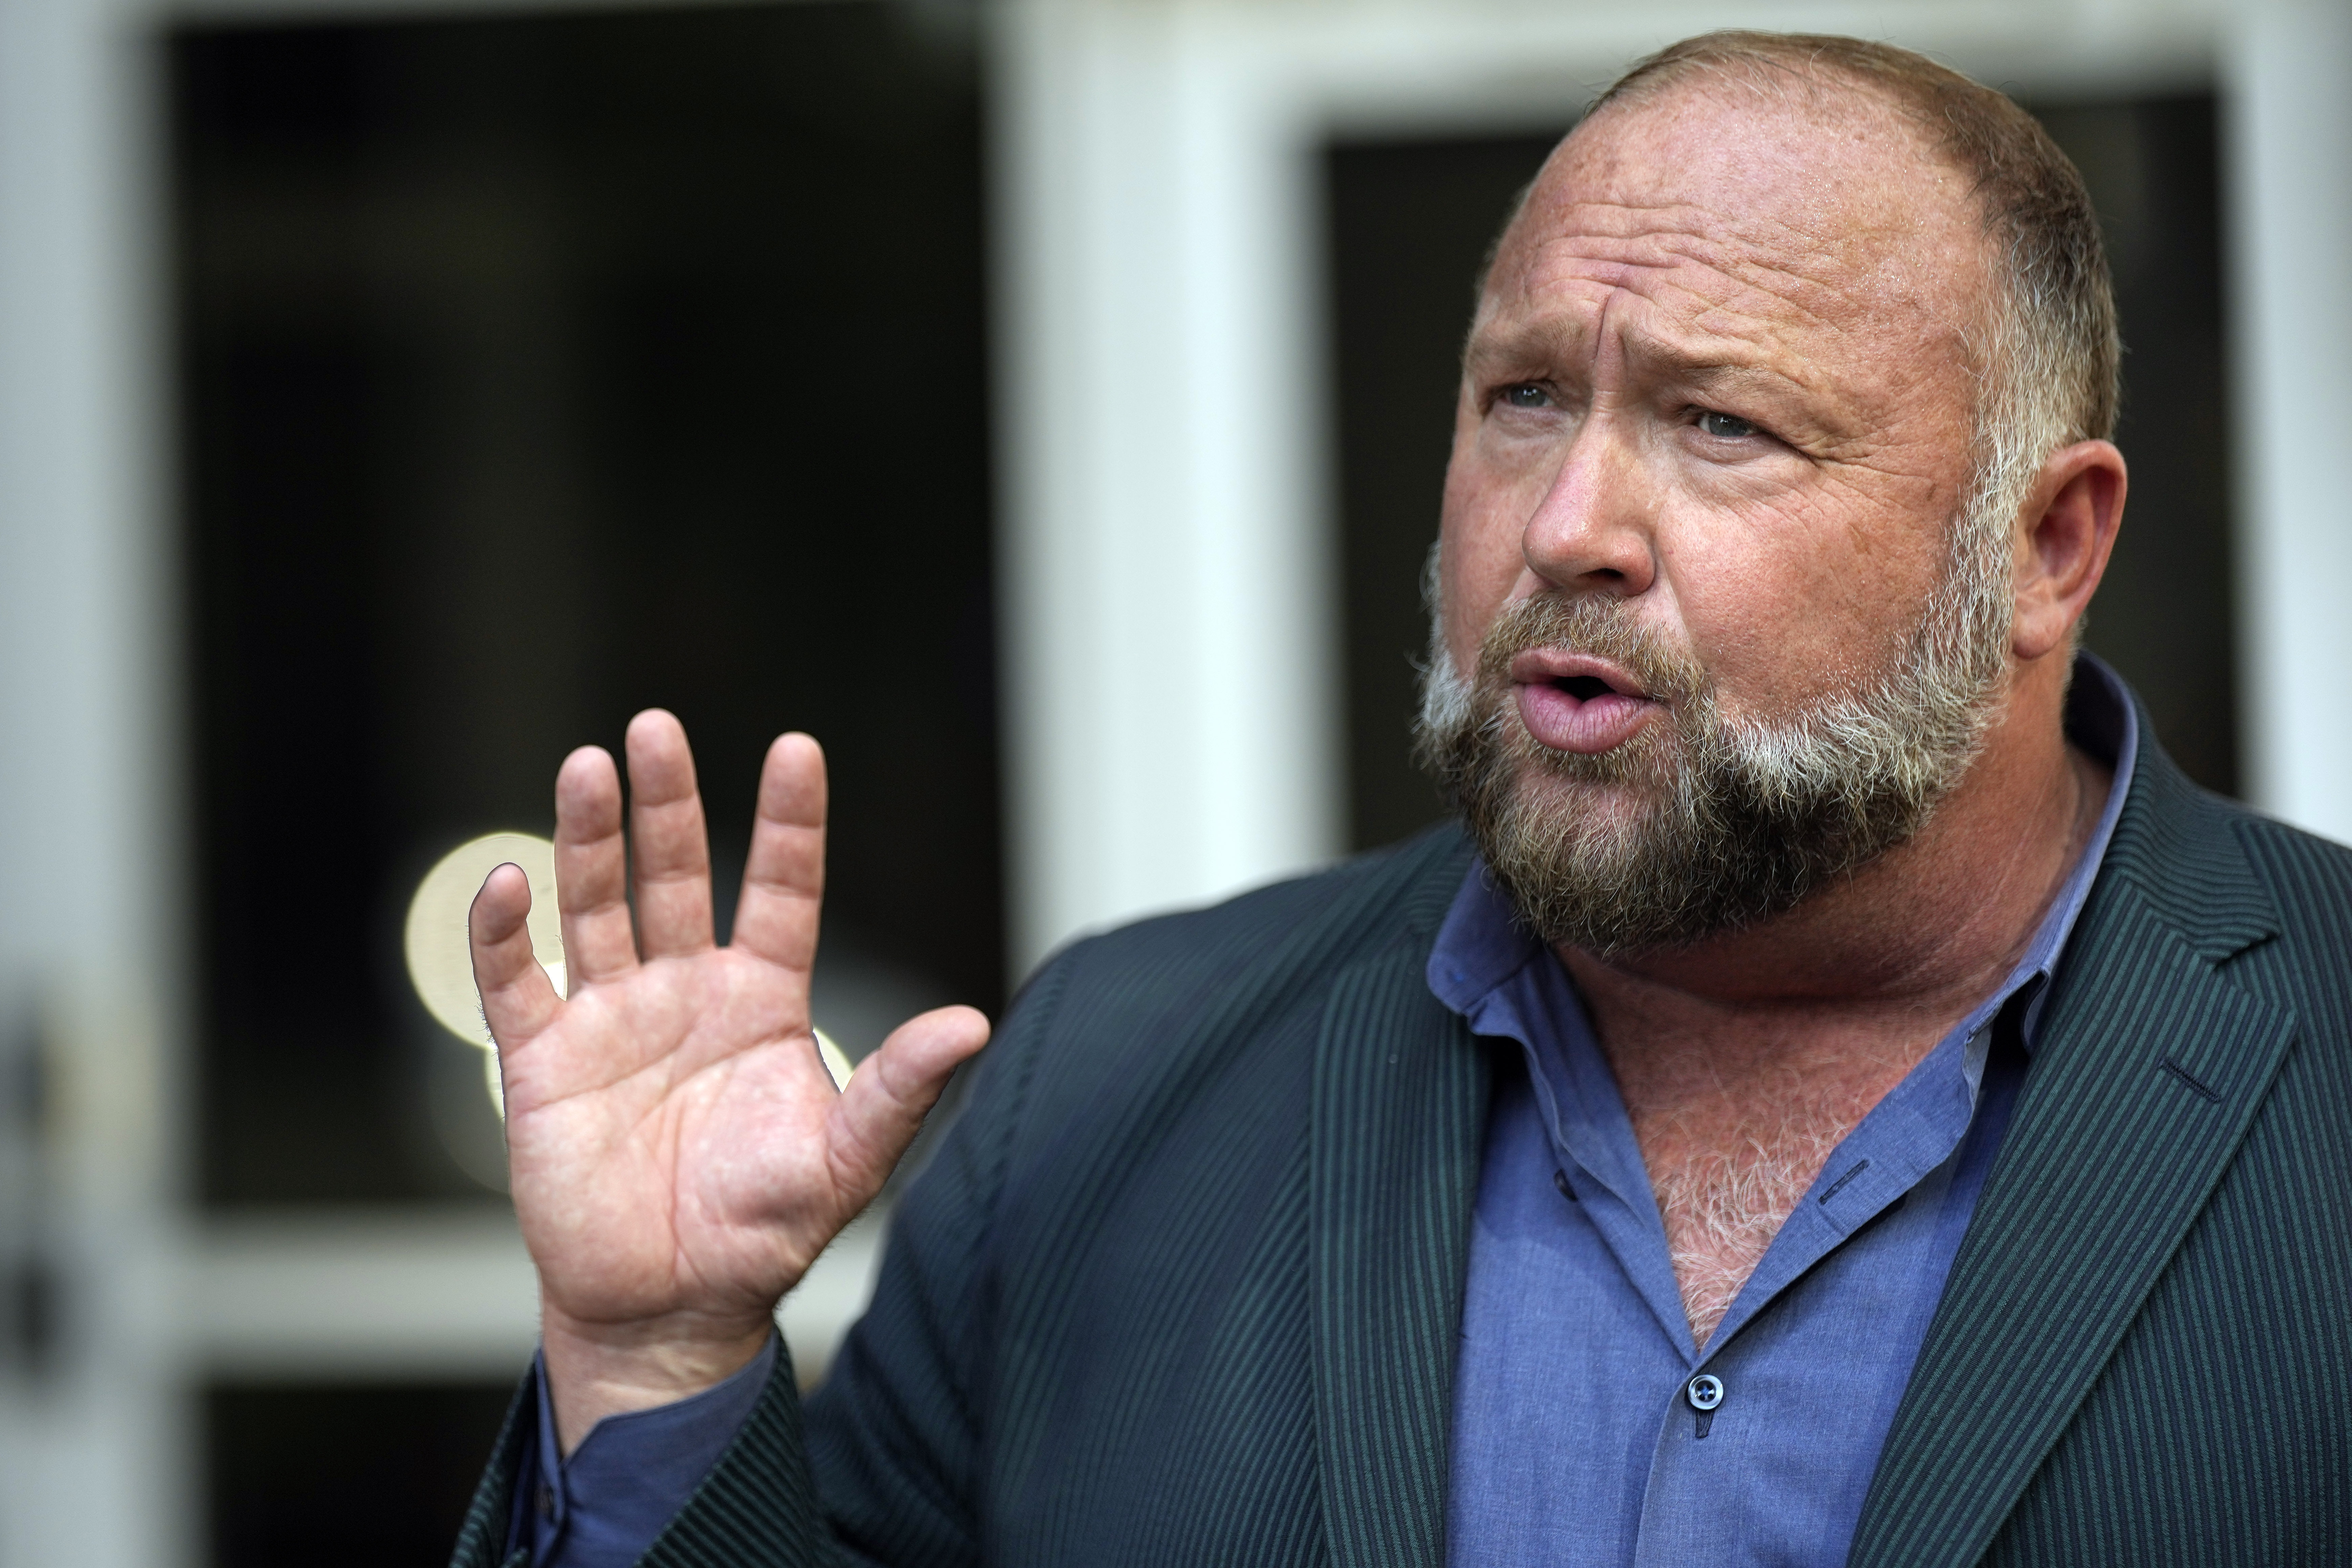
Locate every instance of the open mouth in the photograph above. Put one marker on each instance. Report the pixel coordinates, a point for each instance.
(1573, 702)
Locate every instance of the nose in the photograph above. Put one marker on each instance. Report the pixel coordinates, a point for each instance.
(1592, 531)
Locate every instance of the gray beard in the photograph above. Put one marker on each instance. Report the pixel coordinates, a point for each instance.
(1700, 825)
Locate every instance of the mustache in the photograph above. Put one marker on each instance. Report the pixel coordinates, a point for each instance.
(1600, 627)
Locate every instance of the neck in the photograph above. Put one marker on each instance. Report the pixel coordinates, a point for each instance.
(1923, 933)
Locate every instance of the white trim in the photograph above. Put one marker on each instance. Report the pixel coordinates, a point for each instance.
(429, 1293)
(2288, 148)
(1167, 591)
(93, 1461)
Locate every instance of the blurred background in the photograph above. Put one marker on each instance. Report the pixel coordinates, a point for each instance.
(1044, 403)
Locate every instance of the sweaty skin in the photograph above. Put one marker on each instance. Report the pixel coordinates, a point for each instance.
(1725, 370)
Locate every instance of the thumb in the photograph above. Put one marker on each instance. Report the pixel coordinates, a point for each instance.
(883, 1107)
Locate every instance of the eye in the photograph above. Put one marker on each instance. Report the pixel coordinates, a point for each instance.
(1526, 394)
(1725, 426)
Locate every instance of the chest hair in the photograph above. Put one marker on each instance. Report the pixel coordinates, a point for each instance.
(1732, 1138)
(1722, 1199)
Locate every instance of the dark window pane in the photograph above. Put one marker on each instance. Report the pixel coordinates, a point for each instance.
(532, 372)
(360, 1476)
(2163, 616)
(1409, 221)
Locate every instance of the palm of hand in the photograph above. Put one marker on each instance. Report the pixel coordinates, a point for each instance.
(669, 1130)
(678, 1152)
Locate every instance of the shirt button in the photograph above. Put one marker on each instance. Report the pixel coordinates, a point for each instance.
(1705, 1392)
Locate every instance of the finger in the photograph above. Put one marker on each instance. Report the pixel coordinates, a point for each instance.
(783, 879)
(892, 1090)
(592, 869)
(518, 998)
(670, 853)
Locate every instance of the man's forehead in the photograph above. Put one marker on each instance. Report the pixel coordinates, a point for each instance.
(1824, 210)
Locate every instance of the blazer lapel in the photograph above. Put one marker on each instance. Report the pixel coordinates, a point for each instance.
(2149, 1069)
(1400, 1109)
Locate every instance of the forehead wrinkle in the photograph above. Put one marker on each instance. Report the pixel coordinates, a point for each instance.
(1673, 306)
(1806, 277)
(1824, 403)
(1822, 412)
(1761, 284)
(1711, 362)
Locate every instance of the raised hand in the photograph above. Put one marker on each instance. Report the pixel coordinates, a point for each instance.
(678, 1154)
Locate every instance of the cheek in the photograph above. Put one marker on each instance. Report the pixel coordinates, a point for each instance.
(1809, 602)
(1479, 552)
(1740, 607)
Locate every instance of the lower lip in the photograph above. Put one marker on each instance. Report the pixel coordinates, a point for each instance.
(1586, 725)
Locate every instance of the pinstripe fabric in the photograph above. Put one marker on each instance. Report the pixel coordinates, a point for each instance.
(2128, 1361)
(1400, 1109)
(1184, 1285)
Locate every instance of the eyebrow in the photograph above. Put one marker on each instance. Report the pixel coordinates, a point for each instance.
(1654, 354)
(1806, 412)
(1707, 376)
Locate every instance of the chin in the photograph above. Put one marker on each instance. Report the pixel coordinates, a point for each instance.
(1600, 808)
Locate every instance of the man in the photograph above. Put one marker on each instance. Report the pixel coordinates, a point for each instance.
(1846, 1097)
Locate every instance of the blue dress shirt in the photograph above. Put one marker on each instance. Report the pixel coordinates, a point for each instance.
(603, 1506)
(1576, 1439)
(1589, 1427)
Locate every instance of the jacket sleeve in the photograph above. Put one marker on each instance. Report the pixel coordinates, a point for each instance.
(882, 1468)
(755, 1507)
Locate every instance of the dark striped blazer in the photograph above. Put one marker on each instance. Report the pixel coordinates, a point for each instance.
(1184, 1283)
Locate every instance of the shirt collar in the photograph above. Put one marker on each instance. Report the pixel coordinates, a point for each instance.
(1482, 944)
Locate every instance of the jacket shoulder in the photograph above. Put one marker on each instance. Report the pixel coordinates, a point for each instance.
(2309, 966)
(2309, 877)
(2270, 903)
(1165, 1006)
(1308, 922)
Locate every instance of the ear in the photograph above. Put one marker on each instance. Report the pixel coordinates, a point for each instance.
(2068, 529)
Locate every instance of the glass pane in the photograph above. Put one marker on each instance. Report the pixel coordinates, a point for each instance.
(532, 372)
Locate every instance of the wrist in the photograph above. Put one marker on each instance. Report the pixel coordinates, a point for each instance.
(599, 1369)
